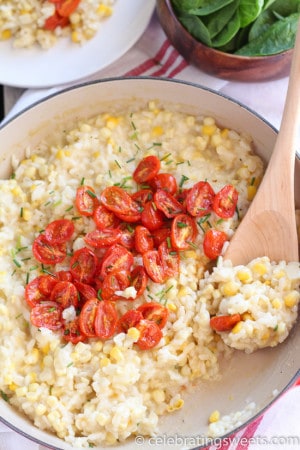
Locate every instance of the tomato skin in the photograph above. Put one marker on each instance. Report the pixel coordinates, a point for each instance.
(167, 203)
(86, 291)
(87, 317)
(47, 253)
(104, 218)
(126, 237)
(102, 238)
(224, 323)
(147, 169)
(46, 284)
(139, 280)
(55, 21)
(115, 281)
(33, 294)
(59, 231)
(164, 181)
(86, 200)
(142, 196)
(154, 266)
(213, 243)
(130, 319)
(199, 199)
(154, 312)
(47, 314)
(118, 201)
(67, 7)
(64, 275)
(151, 217)
(106, 320)
(169, 259)
(225, 202)
(117, 258)
(143, 240)
(65, 294)
(72, 332)
(150, 334)
(183, 232)
(161, 235)
(83, 265)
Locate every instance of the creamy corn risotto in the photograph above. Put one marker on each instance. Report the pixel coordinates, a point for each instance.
(42, 22)
(102, 391)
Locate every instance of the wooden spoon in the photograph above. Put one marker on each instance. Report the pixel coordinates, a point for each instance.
(269, 226)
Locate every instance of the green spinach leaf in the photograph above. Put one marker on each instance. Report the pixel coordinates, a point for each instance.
(261, 24)
(228, 32)
(217, 21)
(249, 10)
(196, 27)
(209, 7)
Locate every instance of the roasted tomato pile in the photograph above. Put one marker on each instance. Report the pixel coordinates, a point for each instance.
(63, 10)
(151, 226)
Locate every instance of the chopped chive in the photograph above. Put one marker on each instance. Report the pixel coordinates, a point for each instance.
(91, 194)
(183, 180)
(4, 396)
(76, 218)
(191, 244)
(99, 292)
(237, 212)
(252, 181)
(70, 364)
(169, 242)
(133, 125)
(109, 173)
(129, 228)
(82, 181)
(118, 164)
(169, 288)
(130, 160)
(154, 206)
(181, 225)
(178, 164)
(21, 212)
(47, 203)
(27, 278)
(120, 149)
(18, 316)
(17, 263)
(52, 309)
(165, 157)
(69, 209)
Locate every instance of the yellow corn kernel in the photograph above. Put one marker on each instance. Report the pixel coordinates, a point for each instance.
(267, 282)
(251, 191)
(112, 122)
(33, 376)
(33, 357)
(247, 316)
(244, 276)
(171, 307)
(182, 292)
(276, 303)
(75, 36)
(208, 130)
(46, 348)
(6, 34)
(26, 214)
(214, 417)
(291, 299)
(133, 333)
(13, 387)
(224, 133)
(21, 391)
(158, 395)
(110, 438)
(157, 131)
(259, 268)
(111, 142)
(104, 362)
(96, 154)
(104, 10)
(237, 328)
(101, 419)
(279, 274)
(229, 288)
(59, 154)
(116, 354)
(176, 405)
(97, 346)
(190, 254)
(266, 335)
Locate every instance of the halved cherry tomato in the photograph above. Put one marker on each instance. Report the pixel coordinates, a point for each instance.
(86, 291)
(116, 281)
(48, 253)
(65, 294)
(116, 259)
(199, 199)
(164, 181)
(104, 218)
(224, 323)
(170, 260)
(130, 319)
(86, 200)
(55, 21)
(143, 240)
(72, 332)
(126, 236)
(225, 201)
(102, 238)
(213, 243)
(46, 284)
(64, 275)
(67, 7)
(106, 320)
(161, 235)
(155, 312)
(118, 201)
(147, 169)
(83, 265)
(184, 232)
(167, 203)
(151, 217)
(87, 317)
(59, 231)
(33, 294)
(47, 315)
(150, 334)
(139, 280)
(154, 266)
(142, 196)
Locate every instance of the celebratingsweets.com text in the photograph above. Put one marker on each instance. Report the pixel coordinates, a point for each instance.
(186, 442)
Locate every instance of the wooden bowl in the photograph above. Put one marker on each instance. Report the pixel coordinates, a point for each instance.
(217, 63)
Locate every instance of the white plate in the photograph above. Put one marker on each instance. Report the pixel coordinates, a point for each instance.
(66, 61)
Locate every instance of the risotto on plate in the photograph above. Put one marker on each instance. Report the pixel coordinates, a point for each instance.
(29, 22)
(115, 299)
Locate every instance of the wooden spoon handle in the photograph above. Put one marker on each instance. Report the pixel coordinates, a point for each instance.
(269, 226)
